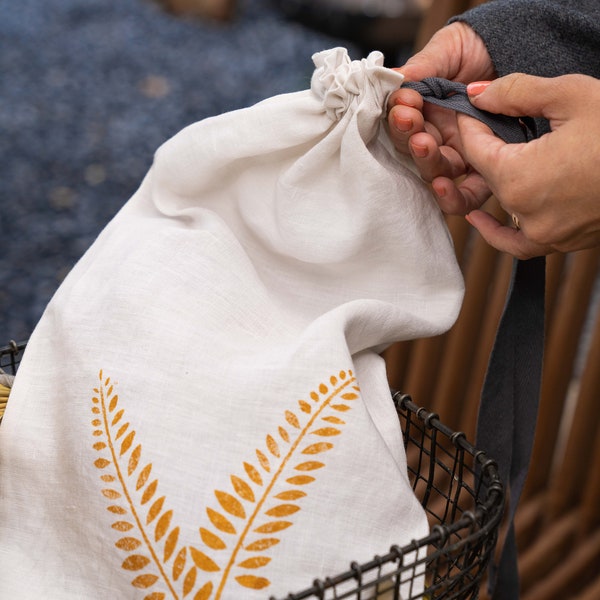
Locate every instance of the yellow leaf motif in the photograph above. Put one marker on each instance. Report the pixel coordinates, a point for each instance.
(204, 592)
(128, 544)
(202, 561)
(135, 562)
(253, 474)
(231, 504)
(327, 431)
(248, 501)
(144, 581)
(211, 540)
(283, 510)
(118, 466)
(219, 521)
(310, 465)
(242, 489)
(189, 581)
(255, 562)
(290, 495)
(261, 544)
(250, 581)
(317, 448)
(273, 527)
(162, 525)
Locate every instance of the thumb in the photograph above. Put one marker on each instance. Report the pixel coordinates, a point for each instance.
(517, 95)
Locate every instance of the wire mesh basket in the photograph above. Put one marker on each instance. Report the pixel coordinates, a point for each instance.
(460, 490)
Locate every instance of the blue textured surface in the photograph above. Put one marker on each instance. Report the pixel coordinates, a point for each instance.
(88, 90)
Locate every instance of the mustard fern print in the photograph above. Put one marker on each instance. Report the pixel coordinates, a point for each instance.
(248, 520)
(245, 522)
(148, 539)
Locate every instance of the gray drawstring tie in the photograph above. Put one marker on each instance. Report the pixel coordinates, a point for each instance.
(511, 390)
(453, 94)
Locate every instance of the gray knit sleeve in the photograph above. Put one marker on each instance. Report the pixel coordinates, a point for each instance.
(540, 37)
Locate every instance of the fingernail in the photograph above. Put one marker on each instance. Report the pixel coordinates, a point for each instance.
(403, 124)
(420, 151)
(477, 87)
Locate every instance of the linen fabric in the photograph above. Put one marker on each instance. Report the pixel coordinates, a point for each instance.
(202, 411)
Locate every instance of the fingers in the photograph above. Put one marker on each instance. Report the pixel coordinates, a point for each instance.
(405, 117)
(460, 199)
(506, 239)
(521, 95)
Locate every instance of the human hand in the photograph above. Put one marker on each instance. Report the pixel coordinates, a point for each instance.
(551, 184)
(429, 133)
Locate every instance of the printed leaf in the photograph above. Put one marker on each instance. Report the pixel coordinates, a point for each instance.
(290, 495)
(179, 563)
(144, 581)
(99, 446)
(135, 562)
(101, 463)
(263, 460)
(134, 459)
(143, 476)
(273, 447)
(323, 389)
(231, 504)
(350, 396)
(335, 420)
(96, 423)
(242, 489)
(117, 417)
(122, 526)
(292, 419)
(170, 543)
(255, 562)
(127, 442)
(300, 479)
(117, 510)
(333, 380)
(111, 494)
(203, 561)
(155, 510)
(128, 544)
(96, 410)
(326, 431)
(310, 465)
(211, 540)
(273, 526)
(317, 448)
(189, 581)
(108, 478)
(283, 434)
(305, 406)
(282, 510)
(261, 544)
(314, 396)
(204, 592)
(253, 474)
(97, 432)
(219, 521)
(155, 596)
(252, 582)
(162, 525)
(121, 431)
(149, 491)
(112, 404)
(340, 407)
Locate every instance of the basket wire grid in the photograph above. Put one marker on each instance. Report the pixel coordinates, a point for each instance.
(460, 490)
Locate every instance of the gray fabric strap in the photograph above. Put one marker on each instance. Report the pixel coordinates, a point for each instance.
(510, 397)
(453, 94)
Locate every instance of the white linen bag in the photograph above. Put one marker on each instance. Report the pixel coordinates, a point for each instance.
(201, 411)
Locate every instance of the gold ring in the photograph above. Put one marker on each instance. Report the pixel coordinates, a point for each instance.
(515, 221)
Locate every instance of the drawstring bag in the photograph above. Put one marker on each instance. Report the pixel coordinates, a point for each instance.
(202, 411)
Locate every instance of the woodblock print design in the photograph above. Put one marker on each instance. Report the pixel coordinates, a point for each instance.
(247, 520)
